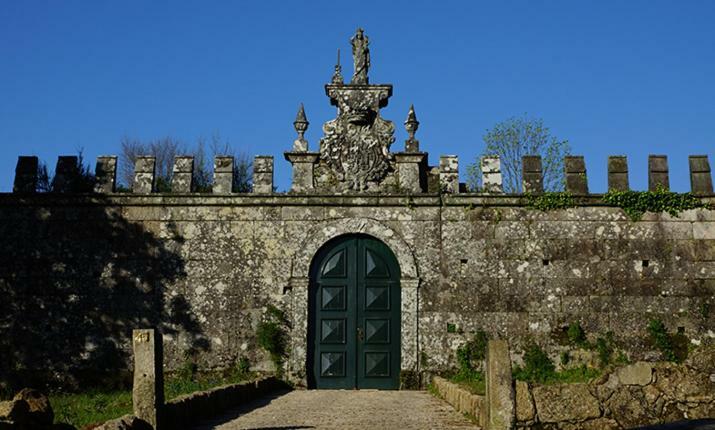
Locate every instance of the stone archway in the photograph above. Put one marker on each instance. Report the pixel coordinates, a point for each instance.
(300, 281)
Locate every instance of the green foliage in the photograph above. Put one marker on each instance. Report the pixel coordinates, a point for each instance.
(80, 180)
(471, 353)
(565, 358)
(550, 201)
(636, 203)
(604, 348)
(272, 336)
(511, 140)
(538, 367)
(673, 347)
(451, 328)
(576, 334)
(409, 380)
(473, 381)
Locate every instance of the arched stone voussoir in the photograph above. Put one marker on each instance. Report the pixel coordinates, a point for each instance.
(328, 230)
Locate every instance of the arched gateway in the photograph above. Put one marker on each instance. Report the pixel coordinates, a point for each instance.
(354, 302)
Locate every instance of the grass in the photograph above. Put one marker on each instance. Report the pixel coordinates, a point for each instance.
(471, 381)
(96, 406)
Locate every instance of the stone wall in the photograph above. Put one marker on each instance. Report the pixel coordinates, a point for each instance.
(636, 395)
(81, 271)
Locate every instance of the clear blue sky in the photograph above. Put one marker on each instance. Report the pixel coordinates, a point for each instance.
(619, 77)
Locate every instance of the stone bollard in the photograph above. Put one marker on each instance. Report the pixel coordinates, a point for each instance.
(144, 175)
(263, 174)
(449, 174)
(618, 173)
(658, 172)
(575, 172)
(25, 175)
(491, 174)
(148, 389)
(499, 388)
(223, 175)
(106, 173)
(183, 174)
(532, 174)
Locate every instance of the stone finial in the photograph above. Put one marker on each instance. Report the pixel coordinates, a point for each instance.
(183, 174)
(658, 172)
(301, 125)
(106, 173)
(618, 173)
(144, 175)
(411, 125)
(26, 175)
(575, 170)
(223, 175)
(532, 174)
(491, 174)
(67, 169)
(449, 173)
(263, 174)
(148, 385)
(701, 181)
(337, 74)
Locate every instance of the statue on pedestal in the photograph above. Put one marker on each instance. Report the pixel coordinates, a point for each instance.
(361, 57)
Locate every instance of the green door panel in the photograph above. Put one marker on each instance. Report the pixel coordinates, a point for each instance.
(354, 310)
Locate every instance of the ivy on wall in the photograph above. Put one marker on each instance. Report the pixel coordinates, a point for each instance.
(636, 203)
(550, 201)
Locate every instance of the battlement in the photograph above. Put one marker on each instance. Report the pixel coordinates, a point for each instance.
(411, 171)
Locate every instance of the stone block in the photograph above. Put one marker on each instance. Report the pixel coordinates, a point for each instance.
(449, 174)
(263, 174)
(409, 170)
(618, 173)
(105, 173)
(303, 170)
(658, 172)
(223, 175)
(499, 390)
(491, 174)
(525, 412)
(25, 175)
(183, 174)
(700, 177)
(144, 175)
(640, 373)
(575, 171)
(565, 402)
(148, 386)
(66, 171)
(532, 174)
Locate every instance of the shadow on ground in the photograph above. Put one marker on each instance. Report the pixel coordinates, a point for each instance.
(706, 424)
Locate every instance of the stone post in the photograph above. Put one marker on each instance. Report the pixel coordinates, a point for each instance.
(223, 175)
(303, 165)
(449, 174)
(658, 172)
(491, 174)
(500, 397)
(144, 168)
(409, 166)
(106, 173)
(575, 170)
(618, 173)
(183, 174)
(65, 172)
(532, 174)
(148, 388)
(263, 174)
(25, 175)
(701, 181)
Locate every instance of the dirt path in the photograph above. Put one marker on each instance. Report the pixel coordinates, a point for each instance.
(341, 409)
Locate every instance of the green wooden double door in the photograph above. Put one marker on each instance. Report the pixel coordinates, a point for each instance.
(354, 329)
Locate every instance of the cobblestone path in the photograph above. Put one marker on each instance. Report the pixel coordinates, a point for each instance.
(342, 409)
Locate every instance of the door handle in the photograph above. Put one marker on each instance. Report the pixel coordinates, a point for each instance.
(360, 334)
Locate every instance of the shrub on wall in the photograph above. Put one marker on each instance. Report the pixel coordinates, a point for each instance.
(271, 335)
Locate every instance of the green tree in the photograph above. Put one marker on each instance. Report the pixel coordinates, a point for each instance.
(515, 138)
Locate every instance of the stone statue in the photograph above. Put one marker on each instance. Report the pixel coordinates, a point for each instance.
(361, 57)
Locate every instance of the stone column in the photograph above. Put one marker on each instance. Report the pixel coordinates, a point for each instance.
(618, 173)
(491, 174)
(701, 181)
(105, 171)
(409, 166)
(183, 174)
(148, 388)
(144, 168)
(223, 175)
(532, 174)
(263, 174)
(499, 391)
(658, 172)
(575, 170)
(65, 172)
(449, 174)
(303, 167)
(25, 175)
